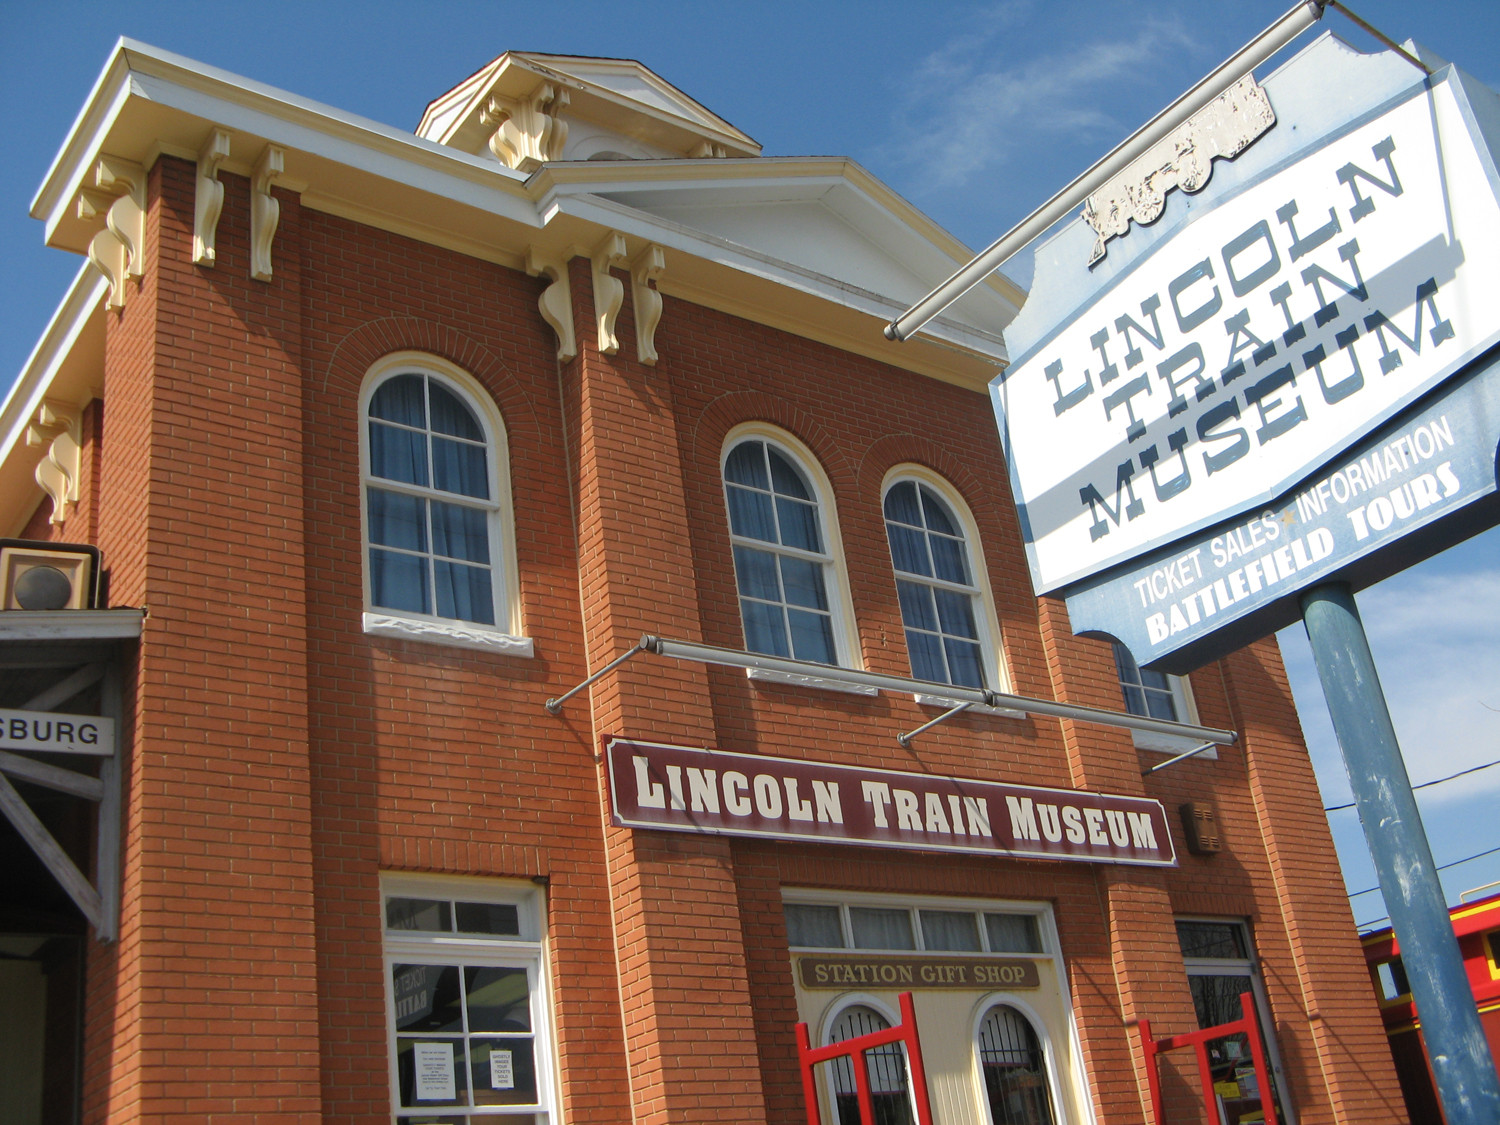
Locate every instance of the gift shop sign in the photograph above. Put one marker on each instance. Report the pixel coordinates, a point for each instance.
(678, 789)
(1256, 345)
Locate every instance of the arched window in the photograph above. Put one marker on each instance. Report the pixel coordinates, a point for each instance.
(940, 583)
(436, 493)
(890, 1089)
(790, 597)
(1015, 1069)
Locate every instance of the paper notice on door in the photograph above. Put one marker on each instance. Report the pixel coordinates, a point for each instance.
(434, 1062)
(502, 1070)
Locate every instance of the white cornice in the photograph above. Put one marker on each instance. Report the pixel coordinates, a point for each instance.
(58, 368)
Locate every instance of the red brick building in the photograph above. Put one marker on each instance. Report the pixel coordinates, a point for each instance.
(384, 442)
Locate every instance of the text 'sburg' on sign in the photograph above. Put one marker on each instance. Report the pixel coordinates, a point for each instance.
(1241, 405)
(679, 789)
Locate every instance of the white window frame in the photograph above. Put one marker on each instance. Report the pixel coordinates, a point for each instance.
(1235, 966)
(835, 574)
(1186, 708)
(528, 951)
(505, 635)
(991, 649)
(831, 1017)
(1044, 1039)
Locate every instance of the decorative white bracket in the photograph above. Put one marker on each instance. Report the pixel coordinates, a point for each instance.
(118, 250)
(106, 253)
(59, 427)
(528, 131)
(609, 291)
(1184, 158)
(556, 301)
(647, 267)
(126, 217)
(265, 212)
(209, 201)
(707, 150)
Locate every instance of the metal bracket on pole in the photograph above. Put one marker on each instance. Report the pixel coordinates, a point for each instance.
(1193, 753)
(906, 739)
(555, 705)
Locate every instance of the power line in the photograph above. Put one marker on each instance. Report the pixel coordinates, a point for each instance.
(1441, 867)
(1425, 784)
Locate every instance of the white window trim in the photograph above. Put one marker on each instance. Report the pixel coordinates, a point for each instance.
(831, 1017)
(991, 647)
(1187, 712)
(1044, 1037)
(846, 649)
(1041, 911)
(531, 947)
(505, 636)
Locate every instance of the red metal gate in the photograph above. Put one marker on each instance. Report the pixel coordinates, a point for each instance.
(904, 1032)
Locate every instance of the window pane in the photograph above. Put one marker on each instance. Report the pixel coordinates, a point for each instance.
(398, 454)
(451, 416)
(814, 926)
(750, 514)
(756, 571)
(951, 930)
(499, 999)
(1013, 933)
(464, 593)
(434, 1083)
(398, 581)
(397, 520)
(917, 610)
(799, 524)
(460, 533)
(812, 635)
(1160, 705)
(400, 400)
(1212, 939)
(948, 559)
(938, 517)
(926, 657)
(426, 998)
(487, 918)
(1217, 998)
(746, 464)
(1015, 1075)
(785, 478)
(901, 504)
(964, 666)
(459, 467)
(765, 628)
(908, 550)
(502, 1072)
(881, 929)
(417, 914)
(956, 613)
(803, 583)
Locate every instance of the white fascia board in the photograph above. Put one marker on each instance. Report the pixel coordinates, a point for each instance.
(242, 106)
(19, 492)
(674, 236)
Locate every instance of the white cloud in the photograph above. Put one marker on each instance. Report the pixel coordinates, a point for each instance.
(977, 104)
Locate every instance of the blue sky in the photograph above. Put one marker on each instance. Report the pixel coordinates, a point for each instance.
(976, 112)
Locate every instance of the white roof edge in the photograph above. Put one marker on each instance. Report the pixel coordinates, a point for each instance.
(131, 57)
(78, 305)
(123, 624)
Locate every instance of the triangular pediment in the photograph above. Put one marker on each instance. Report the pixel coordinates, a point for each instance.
(525, 110)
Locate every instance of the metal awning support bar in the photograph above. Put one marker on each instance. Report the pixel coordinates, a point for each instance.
(555, 705)
(1193, 753)
(906, 739)
(1297, 19)
(948, 693)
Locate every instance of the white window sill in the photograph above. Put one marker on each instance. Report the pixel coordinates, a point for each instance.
(819, 683)
(1169, 743)
(447, 633)
(974, 708)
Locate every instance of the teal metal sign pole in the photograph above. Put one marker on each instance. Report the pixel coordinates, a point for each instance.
(1461, 1063)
